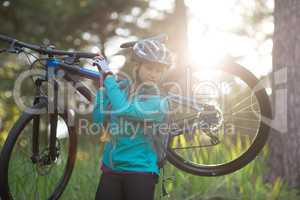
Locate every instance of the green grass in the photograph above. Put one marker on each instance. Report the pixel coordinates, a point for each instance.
(246, 183)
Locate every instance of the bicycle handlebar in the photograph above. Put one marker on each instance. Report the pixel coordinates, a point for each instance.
(46, 50)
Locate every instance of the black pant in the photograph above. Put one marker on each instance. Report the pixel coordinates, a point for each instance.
(126, 187)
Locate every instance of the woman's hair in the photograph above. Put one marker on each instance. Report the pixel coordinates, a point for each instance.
(131, 68)
(131, 65)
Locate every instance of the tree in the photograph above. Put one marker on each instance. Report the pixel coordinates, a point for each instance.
(64, 24)
(284, 144)
(180, 41)
(177, 24)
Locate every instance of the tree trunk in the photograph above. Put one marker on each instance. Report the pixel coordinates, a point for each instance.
(178, 41)
(285, 138)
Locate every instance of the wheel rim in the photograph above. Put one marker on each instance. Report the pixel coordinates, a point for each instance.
(213, 160)
(25, 182)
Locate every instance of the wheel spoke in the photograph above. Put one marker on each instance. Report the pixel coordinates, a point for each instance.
(29, 179)
(244, 119)
(234, 113)
(239, 108)
(240, 102)
(246, 128)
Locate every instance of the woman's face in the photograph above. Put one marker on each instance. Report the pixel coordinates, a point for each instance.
(151, 72)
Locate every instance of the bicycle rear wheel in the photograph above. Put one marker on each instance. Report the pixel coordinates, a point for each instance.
(23, 178)
(230, 130)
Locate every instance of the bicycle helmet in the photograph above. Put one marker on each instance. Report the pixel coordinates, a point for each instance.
(153, 51)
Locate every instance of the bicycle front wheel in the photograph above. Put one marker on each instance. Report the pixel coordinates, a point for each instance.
(229, 127)
(24, 176)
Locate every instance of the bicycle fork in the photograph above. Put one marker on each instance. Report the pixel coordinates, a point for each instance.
(52, 112)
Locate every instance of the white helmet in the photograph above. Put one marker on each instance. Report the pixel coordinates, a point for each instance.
(153, 51)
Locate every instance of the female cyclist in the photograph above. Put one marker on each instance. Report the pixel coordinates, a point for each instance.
(135, 109)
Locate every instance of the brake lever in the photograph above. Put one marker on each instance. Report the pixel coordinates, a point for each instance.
(13, 48)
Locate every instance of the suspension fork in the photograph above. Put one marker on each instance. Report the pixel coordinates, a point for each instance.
(53, 115)
(52, 112)
(53, 122)
(52, 107)
(36, 123)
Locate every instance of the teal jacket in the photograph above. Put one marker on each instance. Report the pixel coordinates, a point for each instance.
(130, 147)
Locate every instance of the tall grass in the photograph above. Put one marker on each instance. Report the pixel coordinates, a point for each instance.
(247, 183)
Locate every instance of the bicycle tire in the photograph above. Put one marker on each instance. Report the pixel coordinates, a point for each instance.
(14, 133)
(250, 154)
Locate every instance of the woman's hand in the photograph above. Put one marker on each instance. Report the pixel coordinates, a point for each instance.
(101, 64)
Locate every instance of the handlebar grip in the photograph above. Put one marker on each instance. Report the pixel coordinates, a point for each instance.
(46, 50)
(6, 39)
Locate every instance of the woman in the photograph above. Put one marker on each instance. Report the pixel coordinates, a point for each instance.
(130, 157)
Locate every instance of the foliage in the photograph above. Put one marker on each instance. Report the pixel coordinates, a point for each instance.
(76, 24)
(61, 22)
(247, 183)
(64, 23)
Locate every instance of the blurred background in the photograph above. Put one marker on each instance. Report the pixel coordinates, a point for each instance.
(201, 34)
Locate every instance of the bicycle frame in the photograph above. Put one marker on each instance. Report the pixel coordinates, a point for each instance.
(200, 112)
(54, 64)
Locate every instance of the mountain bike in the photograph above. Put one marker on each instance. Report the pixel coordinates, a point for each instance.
(215, 129)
